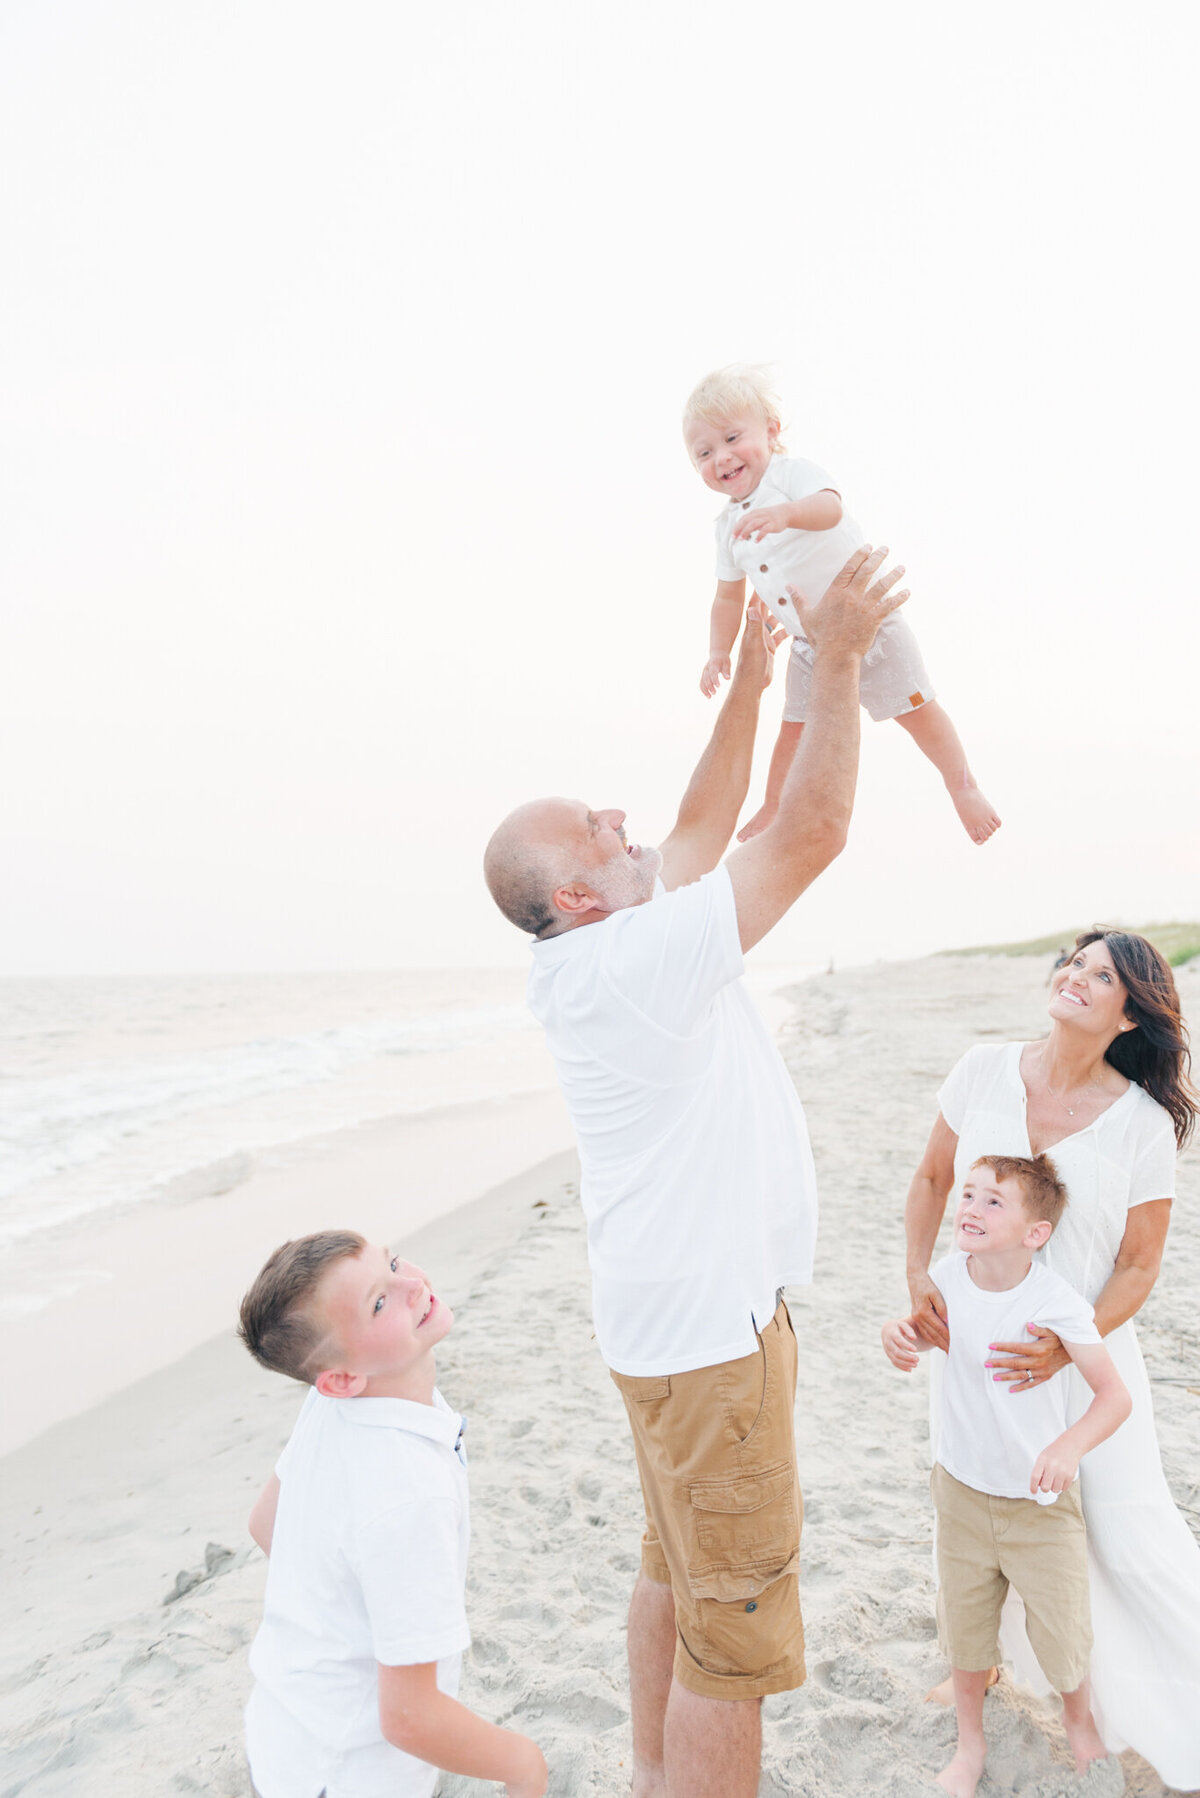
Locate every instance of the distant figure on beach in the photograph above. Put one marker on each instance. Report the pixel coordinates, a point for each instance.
(1108, 1092)
(1004, 1490)
(698, 1183)
(365, 1523)
(783, 528)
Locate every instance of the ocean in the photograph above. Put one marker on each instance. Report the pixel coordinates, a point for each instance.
(119, 1092)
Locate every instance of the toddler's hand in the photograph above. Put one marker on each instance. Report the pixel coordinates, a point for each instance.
(534, 1775)
(716, 668)
(1054, 1469)
(900, 1344)
(763, 522)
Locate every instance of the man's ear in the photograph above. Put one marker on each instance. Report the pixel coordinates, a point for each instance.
(340, 1385)
(1038, 1234)
(575, 900)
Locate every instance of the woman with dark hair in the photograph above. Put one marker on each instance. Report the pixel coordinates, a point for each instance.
(1107, 1093)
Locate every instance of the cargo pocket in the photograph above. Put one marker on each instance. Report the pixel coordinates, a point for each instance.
(743, 1582)
(747, 1532)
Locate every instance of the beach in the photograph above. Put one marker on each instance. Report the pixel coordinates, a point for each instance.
(133, 1592)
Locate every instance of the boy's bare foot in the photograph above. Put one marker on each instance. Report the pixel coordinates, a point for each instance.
(759, 821)
(1085, 1741)
(979, 817)
(944, 1693)
(964, 1772)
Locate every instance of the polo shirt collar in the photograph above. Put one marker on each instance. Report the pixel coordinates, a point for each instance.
(438, 1422)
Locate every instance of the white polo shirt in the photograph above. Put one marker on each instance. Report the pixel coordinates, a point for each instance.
(698, 1183)
(804, 559)
(368, 1564)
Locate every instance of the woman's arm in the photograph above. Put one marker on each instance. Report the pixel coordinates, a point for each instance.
(923, 1213)
(1121, 1297)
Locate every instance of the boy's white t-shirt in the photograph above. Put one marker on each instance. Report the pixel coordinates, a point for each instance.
(804, 559)
(698, 1184)
(988, 1435)
(368, 1564)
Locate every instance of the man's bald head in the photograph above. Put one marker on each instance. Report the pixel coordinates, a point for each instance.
(554, 865)
(536, 850)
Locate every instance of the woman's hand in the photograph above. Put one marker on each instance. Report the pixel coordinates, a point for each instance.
(928, 1311)
(1028, 1364)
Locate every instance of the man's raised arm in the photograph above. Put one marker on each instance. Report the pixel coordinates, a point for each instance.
(809, 830)
(716, 792)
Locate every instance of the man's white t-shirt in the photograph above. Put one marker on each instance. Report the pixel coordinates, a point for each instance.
(988, 1436)
(804, 559)
(368, 1564)
(698, 1183)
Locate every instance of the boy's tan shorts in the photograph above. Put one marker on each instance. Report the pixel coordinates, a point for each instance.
(985, 1543)
(716, 1453)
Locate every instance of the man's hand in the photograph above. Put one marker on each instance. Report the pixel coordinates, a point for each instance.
(853, 606)
(901, 1343)
(763, 522)
(1054, 1468)
(715, 670)
(760, 639)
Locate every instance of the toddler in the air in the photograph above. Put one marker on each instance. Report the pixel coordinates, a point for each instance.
(783, 527)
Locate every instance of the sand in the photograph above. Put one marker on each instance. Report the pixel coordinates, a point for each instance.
(110, 1685)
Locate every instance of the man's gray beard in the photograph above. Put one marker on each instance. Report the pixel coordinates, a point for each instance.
(628, 882)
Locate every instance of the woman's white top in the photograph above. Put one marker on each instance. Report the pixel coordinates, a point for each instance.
(1125, 1158)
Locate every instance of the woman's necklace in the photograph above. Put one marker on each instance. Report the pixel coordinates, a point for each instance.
(1061, 1097)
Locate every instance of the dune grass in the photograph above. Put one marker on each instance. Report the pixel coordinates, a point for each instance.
(1178, 942)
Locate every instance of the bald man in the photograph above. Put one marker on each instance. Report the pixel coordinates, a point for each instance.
(698, 1183)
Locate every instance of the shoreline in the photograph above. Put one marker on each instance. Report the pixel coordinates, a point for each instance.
(155, 1280)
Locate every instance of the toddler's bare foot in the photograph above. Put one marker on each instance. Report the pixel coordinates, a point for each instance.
(944, 1693)
(978, 815)
(758, 822)
(964, 1772)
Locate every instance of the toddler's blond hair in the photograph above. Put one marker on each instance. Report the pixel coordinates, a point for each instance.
(742, 387)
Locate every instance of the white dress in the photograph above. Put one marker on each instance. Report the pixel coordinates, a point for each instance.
(1143, 1560)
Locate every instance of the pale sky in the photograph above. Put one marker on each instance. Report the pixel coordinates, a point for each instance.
(343, 356)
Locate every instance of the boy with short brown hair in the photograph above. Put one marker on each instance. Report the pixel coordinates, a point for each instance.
(1007, 1509)
(366, 1525)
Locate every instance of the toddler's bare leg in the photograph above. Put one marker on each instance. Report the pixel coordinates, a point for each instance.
(781, 761)
(966, 1769)
(935, 736)
(1080, 1726)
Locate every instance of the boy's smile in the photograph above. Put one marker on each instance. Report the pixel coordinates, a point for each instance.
(733, 455)
(991, 1216)
(384, 1320)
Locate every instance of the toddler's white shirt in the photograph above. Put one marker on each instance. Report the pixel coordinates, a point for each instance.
(368, 1564)
(988, 1435)
(804, 559)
